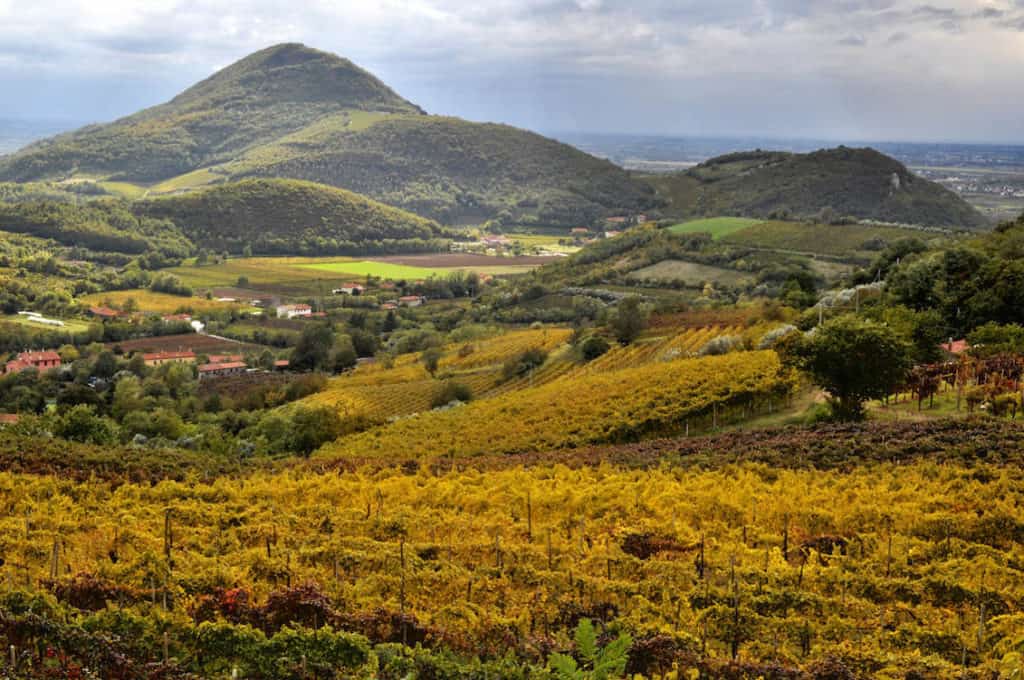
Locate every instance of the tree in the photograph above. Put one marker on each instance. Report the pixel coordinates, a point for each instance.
(595, 663)
(82, 424)
(312, 427)
(431, 357)
(313, 348)
(593, 347)
(854, 360)
(630, 319)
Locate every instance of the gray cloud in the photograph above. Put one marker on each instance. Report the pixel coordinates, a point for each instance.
(688, 66)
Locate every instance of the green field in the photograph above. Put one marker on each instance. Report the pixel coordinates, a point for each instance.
(692, 273)
(860, 242)
(70, 325)
(716, 226)
(384, 270)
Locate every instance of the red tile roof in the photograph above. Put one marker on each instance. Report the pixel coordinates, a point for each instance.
(105, 312)
(209, 368)
(168, 356)
(224, 358)
(956, 346)
(281, 363)
(8, 418)
(39, 357)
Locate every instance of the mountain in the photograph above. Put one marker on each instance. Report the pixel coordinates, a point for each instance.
(294, 112)
(279, 217)
(860, 183)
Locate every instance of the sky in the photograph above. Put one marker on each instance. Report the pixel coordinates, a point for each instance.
(826, 69)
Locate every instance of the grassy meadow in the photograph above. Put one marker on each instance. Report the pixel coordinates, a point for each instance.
(716, 226)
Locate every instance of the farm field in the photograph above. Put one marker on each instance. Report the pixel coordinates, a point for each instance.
(618, 405)
(197, 342)
(156, 303)
(854, 241)
(70, 325)
(692, 273)
(313, 276)
(716, 226)
(701, 556)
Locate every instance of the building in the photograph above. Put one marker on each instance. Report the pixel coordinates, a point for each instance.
(222, 370)
(224, 358)
(350, 288)
(42, 361)
(389, 306)
(579, 231)
(104, 312)
(170, 318)
(410, 300)
(281, 365)
(496, 241)
(160, 358)
(617, 220)
(292, 311)
(641, 218)
(612, 234)
(8, 419)
(956, 347)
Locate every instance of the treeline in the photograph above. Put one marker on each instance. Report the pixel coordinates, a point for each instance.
(104, 225)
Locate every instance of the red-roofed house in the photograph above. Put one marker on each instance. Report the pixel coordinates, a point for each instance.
(410, 300)
(178, 317)
(42, 361)
(224, 358)
(579, 231)
(956, 346)
(221, 370)
(8, 419)
(104, 312)
(281, 364)
(389, 306)
(350, 288)
(292, 311)
(158, 358)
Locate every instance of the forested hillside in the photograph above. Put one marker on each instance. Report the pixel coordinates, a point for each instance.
(827, 184)
(291, 217)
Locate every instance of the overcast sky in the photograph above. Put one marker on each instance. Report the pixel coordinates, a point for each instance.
(834, 69)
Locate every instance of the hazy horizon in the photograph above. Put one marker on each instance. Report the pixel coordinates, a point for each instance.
(866, 70)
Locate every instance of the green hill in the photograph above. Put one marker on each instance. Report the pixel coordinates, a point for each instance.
(832, 183)
(266, 95)
(274, 216)
(293, 112)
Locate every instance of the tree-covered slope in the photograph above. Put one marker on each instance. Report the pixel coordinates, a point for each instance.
(293, 112)
(274, 216)
(453, 170)
(262, 97)
(860, 183)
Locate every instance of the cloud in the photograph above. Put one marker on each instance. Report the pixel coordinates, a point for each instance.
(589, 63)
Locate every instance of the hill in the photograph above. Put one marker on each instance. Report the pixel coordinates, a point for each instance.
(861, 183)
(293, 112)
(264, 96)
(274, 216)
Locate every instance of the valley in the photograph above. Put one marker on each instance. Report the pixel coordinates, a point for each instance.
(300, 381)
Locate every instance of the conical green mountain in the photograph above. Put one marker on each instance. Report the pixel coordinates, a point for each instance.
(293, 112)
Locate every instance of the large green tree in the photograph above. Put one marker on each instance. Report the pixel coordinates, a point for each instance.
(854, 360)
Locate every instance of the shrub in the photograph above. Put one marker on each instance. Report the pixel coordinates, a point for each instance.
(451, 391)
(523, 363)
(593, 347)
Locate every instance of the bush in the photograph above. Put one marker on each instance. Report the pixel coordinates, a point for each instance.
(451, 391)
(723, 344)
(593, 347)
(521, 364)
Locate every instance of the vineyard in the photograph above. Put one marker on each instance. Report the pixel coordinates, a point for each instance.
(406, 388)
(617, 405)
(739, 570)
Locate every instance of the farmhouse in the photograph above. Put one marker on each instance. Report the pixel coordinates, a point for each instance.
(224, 358)
(350, 288)
(222, 369)
(292, 311)
(410, 300)
(496, 241)
(281, 365)
(8, 419)
(104, 312)
(170, 318)
(39, 360)
(579, 231)
(159, 358)
(612, 234)
(389, 306)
